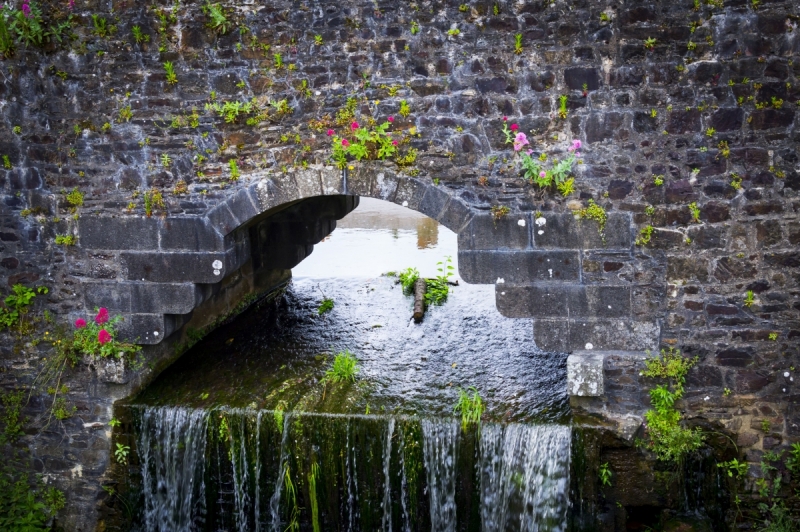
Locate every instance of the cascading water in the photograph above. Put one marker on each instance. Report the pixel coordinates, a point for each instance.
(362, 465)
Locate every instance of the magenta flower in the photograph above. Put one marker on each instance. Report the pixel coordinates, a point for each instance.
(26, 9)
(354, 126)
(505, 119)
(71, 5)
(345, 143)
(576, 144)
(514, 127)
(102, 316)
(330, 132)
(390, 119)
(542, 174)
(80, 323)
(103, 337)
(394, 143)
(520, 141)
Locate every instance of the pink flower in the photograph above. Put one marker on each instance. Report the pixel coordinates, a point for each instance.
(26, 9)
(576, 144)
(542, 174)
(102, 316)
(520, 141)
(505, 119)
(390, 119)
(394, 143)
(71, 4)
(354, 126)
(80, 323)
(529, 152)
(514, 127)
(103, 337)
(330, 132)
(345, 143)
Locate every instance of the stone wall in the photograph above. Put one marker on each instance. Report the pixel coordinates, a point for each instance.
(647, 113)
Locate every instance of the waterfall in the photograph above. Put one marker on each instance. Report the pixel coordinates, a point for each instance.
(441, 439)
(171, 444)
(203, 472)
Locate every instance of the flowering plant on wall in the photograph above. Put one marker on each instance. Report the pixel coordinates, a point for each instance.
(96, 337)
(557, 175)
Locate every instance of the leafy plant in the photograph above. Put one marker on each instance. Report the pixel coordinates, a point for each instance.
(101, 27)
(28, 24)
(749, 298)
(96, 338)
(6, 162)
(218, 19)
(414, 27)
(658, 180)
(595, 212)
(734, 468)
(408, 278)
(234, 170)
(152, 198)
(695, 210)
(470, 407)
(278, 415)
(518, 43)
(26, 505)
(562, 106)
(318, 40)
(669, 440)
(325, 306)
(454, 32)
(438, 288)
(138, 36)
(366, 143)
(344, 369)
(66, 240)
(605, 474)
(650, 43)
(499, 212)
(16, 308)
(172, 79)
(121, 453)
(405, 110)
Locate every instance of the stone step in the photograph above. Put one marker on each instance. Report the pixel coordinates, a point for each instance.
(563, 300)
(135, 297)
(149, 329)
(547, 231)
(567, 335)
(190, 233)
(181, 267)
(518, 267)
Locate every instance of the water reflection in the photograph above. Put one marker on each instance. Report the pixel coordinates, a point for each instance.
(379, 237)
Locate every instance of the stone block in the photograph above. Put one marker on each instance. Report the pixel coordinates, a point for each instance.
(243, 206)
(183, 266)
(138, 297)
(332, 180)
(567, 335)
(434, 202)
(190, 234)
(484, 232)
(149, 329)
(564, 300)
(518, 267)
(106, 232)
(456, 215)
(222, 219)
(410, 192)
(585, 374)
(563, 231)
(309, 182)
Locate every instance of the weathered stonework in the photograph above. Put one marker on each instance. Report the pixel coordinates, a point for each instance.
(636, 113)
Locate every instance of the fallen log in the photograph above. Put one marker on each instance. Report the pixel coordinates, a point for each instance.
(419, 299)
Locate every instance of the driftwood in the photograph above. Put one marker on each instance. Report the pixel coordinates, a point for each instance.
(419, 299)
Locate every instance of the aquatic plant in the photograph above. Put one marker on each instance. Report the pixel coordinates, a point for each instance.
(470, 407)
(344, 369)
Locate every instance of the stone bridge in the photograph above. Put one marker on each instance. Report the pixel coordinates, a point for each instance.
(169, 170)
(169, 266)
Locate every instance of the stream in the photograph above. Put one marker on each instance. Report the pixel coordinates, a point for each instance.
(244, 432)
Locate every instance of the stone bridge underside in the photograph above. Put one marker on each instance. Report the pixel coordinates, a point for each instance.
(540, 263)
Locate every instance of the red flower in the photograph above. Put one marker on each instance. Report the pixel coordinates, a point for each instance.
(514, 127)
(102, 316)
(330, 132)
(390, 119)
(394, 143)
(505, 119)
(354, 126)
(345, 143)
(103, 337)
(80, 323)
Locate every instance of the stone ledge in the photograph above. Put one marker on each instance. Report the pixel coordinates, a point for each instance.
(568, 335)
(563, 300)
(518, 267)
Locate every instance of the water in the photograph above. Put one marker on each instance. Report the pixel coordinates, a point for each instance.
(243, 433)
(205, 470)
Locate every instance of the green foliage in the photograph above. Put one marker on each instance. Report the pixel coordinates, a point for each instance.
(562, 106)
(138, 36)
(291, 492)
(12, 416)
(365, 143)
(405, 110)
(438, 288)
(734, 468)
(152, 199)
(26, 505)
(278, 416)
(6, 162)
(645, 234)
(30, 29)
(414, 27)
(6, 39)
(101, 28)
(518, 43)
(695, 210)
(470, 407)
(313, 476)
(778, 519)
(86, 340)
(650, 43)
(605, 474)
(595, 212)
(75, 198)
(217, 18)
(121, 453)
(407, 278)
(234, 170)
(344, 369)
(668, 439)
(793, 462)
(749, 299)
(125, 113)
(169, 69)
(499, 212)
(66, 240)
(325, 306)
(565, 188)
(13, 315)
(658, 180)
